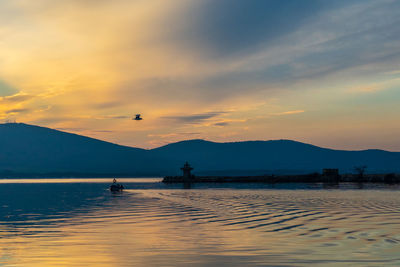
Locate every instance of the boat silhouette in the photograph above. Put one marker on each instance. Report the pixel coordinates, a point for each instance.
(116, 187)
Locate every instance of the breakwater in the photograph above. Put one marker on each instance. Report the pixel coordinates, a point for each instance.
(307, 178)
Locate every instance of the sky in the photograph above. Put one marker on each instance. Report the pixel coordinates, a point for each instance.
(316, 71)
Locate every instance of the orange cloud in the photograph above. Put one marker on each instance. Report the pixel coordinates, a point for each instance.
(289, 112)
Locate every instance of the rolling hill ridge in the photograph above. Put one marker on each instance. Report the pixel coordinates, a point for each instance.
(32, 150)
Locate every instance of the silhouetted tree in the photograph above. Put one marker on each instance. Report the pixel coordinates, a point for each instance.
(360, 170)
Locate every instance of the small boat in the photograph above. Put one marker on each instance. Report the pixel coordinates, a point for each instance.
(115, 187)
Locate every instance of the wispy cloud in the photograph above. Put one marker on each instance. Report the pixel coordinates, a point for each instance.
(17, 110)
(6, 89)
(221, 124)
(290, 112)
(169, 135)
(16, 98)
(236, 27)
(194, 118)
(374, 87)
(71, 129)
(113, 117)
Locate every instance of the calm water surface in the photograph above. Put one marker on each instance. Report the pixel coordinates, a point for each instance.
(78, 222)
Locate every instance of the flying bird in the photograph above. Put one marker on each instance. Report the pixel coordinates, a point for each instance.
(137, 118)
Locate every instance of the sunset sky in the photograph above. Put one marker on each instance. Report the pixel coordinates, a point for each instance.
(316, 71)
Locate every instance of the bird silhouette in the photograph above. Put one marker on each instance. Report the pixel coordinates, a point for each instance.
(137, 118)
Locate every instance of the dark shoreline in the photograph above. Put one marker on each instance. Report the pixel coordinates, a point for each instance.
(390, 178)
(57, 175)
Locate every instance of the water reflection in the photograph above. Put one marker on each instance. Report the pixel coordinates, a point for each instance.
(83, 224)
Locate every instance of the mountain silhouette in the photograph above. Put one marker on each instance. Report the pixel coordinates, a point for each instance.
(33, 149)
(27, 149)
(275, 156)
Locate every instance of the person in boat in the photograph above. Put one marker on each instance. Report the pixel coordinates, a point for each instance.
(115, 186)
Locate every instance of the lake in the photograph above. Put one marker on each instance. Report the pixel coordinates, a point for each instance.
(78, 222)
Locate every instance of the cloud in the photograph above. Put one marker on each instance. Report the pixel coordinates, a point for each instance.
(85, 130)
(103, 131)
(16, 98)
(107, 105)
(265, 45)
(71, 129)
(18, 110)
(230, 27)
(194, 118)
(6, 89)
(375, 87)
(169, 135)
(290, 112)
(114, 117)
(221, 124)
(52, 120)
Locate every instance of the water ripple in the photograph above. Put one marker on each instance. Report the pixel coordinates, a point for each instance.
(200, 227)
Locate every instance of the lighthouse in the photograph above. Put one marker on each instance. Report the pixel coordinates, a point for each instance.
(187, 176)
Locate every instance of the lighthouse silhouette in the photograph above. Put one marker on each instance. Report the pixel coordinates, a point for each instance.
(186, 169)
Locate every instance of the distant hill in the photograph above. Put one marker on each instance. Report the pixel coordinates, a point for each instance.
(276, 156)
(37, 150)
(32, 149)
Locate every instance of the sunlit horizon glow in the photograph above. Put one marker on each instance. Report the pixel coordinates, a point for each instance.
(320, 72)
